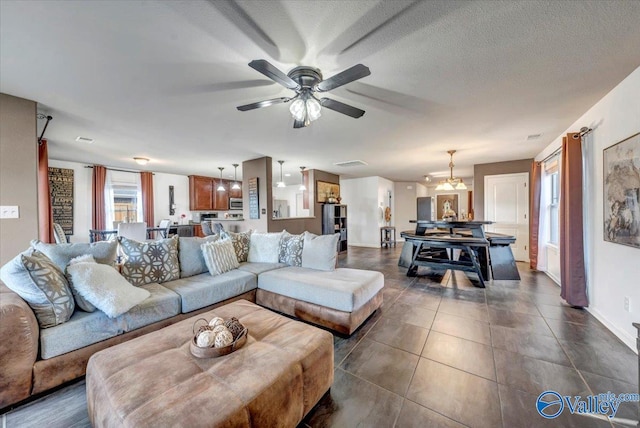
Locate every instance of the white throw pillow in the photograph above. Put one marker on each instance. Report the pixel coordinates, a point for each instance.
(219, 256)
(81, 302)
(320, 252)
(105, 288)
(264, 247)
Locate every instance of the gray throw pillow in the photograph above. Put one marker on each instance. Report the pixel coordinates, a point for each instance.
(104, 252)
(150, 261)
(35, 278)
(190, 255)
(264, 247)
(291, 249)
(241, 242)
(320, 252)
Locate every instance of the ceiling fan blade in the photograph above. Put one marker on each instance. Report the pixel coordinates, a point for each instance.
(349, 75)
(265, 103)
(298, 124)
(269, 70)
(341, 108)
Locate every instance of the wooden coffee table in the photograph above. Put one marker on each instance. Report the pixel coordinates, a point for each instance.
(275, 379)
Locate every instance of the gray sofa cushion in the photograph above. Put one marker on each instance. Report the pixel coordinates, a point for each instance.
(258, 268)
(190, 255)
(320, 251)
(203, 290)
(86, 328)
(61, 254)
(342, 289)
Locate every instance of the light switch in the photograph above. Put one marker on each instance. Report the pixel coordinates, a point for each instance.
(9, 211)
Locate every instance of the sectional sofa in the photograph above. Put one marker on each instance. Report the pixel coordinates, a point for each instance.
(36, 359)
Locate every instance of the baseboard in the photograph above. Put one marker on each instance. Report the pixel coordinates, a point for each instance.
(628, 339)
(364, 245)
(552, 276)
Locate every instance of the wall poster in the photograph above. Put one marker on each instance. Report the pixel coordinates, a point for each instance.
(254, 201)
(61, 192)
(622, 192)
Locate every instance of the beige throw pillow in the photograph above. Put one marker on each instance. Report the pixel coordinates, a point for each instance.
(219, 256)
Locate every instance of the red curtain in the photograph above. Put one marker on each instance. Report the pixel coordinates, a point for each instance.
(97, 197)
(146, 179)
(45, 213)
(572, 269)
(534, 216)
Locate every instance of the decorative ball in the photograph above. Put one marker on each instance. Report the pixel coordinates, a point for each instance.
(234, 327)
(216, 321)
(224, 338)
(217, 329)
(206, 339)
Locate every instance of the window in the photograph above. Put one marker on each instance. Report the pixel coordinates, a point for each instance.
(123, 198)
(554, 213)
(551, 200)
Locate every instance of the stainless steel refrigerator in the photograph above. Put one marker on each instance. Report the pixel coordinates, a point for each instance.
(426, 207)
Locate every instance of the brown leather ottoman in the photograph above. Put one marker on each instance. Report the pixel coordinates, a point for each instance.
(282, 371)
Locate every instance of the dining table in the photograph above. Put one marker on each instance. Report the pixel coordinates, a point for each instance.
(96, 235)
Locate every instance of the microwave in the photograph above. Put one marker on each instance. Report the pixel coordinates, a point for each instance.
(235, 203)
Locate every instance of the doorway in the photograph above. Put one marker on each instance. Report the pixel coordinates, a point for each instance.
(506, 203)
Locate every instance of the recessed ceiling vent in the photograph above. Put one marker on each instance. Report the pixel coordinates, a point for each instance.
(534, 136)
(351, 163)
(84, 140)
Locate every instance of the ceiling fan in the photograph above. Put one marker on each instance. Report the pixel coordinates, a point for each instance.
(306, 82)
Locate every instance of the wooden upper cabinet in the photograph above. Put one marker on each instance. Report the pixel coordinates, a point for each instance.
(235, 193)
(220, 198)
(201, 191)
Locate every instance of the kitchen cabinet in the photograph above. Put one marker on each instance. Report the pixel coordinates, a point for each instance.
(220, 198)
(201, 193)
(235, 193)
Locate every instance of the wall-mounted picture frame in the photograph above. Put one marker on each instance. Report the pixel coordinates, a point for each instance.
(325, 190)
(451, 199)
(254, 201)
(621, 193)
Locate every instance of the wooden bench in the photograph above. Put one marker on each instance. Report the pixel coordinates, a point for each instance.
(431, 250)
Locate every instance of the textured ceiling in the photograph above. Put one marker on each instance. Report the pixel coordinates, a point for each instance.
(162, 79)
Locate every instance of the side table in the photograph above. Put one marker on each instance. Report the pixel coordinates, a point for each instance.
(387, 236)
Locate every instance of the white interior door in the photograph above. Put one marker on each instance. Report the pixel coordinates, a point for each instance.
(506, 203)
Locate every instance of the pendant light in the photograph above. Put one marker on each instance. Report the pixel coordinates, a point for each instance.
(281, 182)
(236, 185)
(451, 183)
(221, 186)
(302, 186)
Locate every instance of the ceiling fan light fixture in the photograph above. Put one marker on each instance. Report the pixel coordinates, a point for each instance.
(297, 109)
(313, 109)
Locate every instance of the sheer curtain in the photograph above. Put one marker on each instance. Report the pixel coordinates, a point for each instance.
(543, 220)
(534, 203)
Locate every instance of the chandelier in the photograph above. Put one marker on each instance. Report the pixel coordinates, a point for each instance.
(451, 183)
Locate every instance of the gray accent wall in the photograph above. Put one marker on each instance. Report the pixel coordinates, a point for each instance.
(496, 168)
(18, 174)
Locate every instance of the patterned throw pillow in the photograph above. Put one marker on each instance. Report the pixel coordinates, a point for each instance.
(35, 278)
(220, 256)
(241, 242)
(291, 249)
(150, 261)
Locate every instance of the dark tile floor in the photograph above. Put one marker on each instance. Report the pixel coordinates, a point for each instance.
(443, 353)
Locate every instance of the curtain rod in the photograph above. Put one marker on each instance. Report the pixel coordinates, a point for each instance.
(555, 152)
(121, 170)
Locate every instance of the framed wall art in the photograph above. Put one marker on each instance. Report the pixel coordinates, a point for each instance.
(451, 200)
(622, 192)
(325, 190)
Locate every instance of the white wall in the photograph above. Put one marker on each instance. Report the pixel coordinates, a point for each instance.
(406, 205)
(361, 196)
(612, 269)
(161, 183)
(82, 208)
